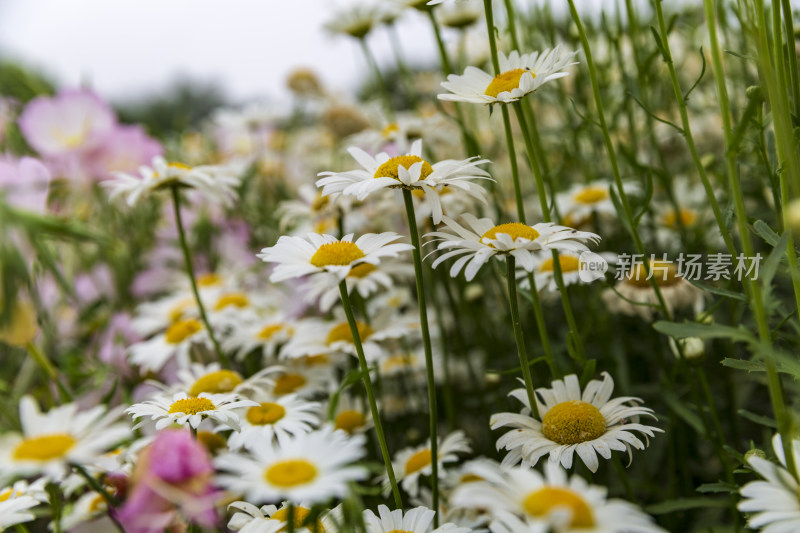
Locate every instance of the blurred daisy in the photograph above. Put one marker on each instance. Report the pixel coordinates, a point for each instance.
(773, 502)
(352, 414)
(408, 171)
(15, 509)
(587, 423)
(305, 377)
(182, 409)
(571, 272)
(51, 441)
(154, 316)
(523, 500)
(267, 420)
(267, 334)
(482, 240)
(357, 21)
(175, 342)
(313, 253)
(251, 519)
(87, 507)
(213, 379)
(411, 463)
(212, 182)
(582, 200)
(313, 467)
(419, 520)
(520, 75)
(692, 214)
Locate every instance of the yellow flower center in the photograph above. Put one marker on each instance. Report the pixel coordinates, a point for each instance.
(665, 273)
(568, 264)
(400, 360)
(315, 360)
(266, 413)
(192, 406)
(6, 494)
(212, 442)
(44, 447)
(319, 202)
(269, 331)
(688, 218)
(515, 230)
(300, 517)
(573, 422)
(235, 299)
(179, 166)
(98, 503)
(349, 420)
(418, 461)
(591, 195)
(506, 81)
(182, 329)
(336, 253)
(341, 332)
(216, 382)
(471, 478)
(391, 168)
(179, 309)
(288, 383)
(389, 129)
(360, 271)
(543, 501)
(290, 473)
(209, 279)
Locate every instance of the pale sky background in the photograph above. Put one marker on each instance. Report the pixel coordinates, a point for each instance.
(125, 48)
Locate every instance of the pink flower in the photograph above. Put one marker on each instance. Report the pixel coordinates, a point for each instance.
(172, 482)
(123, 149)
(24, 183)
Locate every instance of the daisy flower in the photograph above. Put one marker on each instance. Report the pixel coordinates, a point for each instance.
(214, 183)
(175, 342)
(587, 423)
(183, 409)
(358, 21)
(251, 519)
(773, 501)
(283, 416)
(267, 334)
(571, 272)
(578, 203)
(51, 441)
(313, 467)
(314, 253)
(411, 463)
(552, 500)
(352, 414)
(482, 239)
(419, 520)
(15, 510)
(305, 376)
(213, 379)
(409, 171)
(519, 76)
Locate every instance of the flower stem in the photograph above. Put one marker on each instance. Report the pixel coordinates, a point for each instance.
(42, 360)
(373, 405)
(373, 66)
(187, 256)
(519, 338)
(426, 341)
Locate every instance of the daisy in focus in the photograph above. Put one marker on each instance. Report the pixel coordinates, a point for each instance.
(183, 409)
(284, 416)
(773, 502)
(587, 423)
(409, 171)
(312, 467)
(481, 239)
(418, 520)
(411, 463)
(519, 76)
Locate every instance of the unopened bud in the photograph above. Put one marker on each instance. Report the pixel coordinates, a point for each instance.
(791, 216)
(749, 454)
(690, 348)
(473, 292)
(755, 93)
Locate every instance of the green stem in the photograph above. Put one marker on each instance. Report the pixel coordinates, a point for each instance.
(187, 256)
(426, 341)
(408, 78)
(96, 486)
(519, 338)
(373, 405)
(42, 360)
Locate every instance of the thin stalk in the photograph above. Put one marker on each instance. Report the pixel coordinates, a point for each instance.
(373, 405)
(512, 23)
(376, 72)
(42, 360)
(397, 49)
(426, 341)
(794, 75)
(519, 338)
(538, 314)
(187, 256)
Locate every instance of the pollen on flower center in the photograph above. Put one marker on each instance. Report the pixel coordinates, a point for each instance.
(360, 271)
(515, 230)
(182, 329)
(290, 473)
(338, 253)
(217, 382)
(506, 81)
(44, 447)
(568, 264)
(544, 501)
(300, 518)
(418, 461)
(350, 420)
(234, 299)
(665, 273)
(573, 422)
(288, 383)
(391, 168)
(341, 333)
(591, 195)
(266, 413)
(192, 406)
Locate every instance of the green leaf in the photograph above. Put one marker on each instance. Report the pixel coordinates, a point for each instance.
(718, 487)
(704, 331)
(763, 230)
(758, 419)
(684, 504)
(718, 291)
(743, 364)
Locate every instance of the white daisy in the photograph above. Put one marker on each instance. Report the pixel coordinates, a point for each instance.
(482, 240)
(774, 501)
(571, 273)
(352, 414)
(176, 342)
(282, 416)
(581, 200)
(268, 334)
(51, 441)
(251, 519)
(411, 463)
(408, 171)
(561, 504)
(586, 424)
(215, 183)
(419, 520)
(15, 510)
(313, 467)
(519, 76)
(313, 253)
(213, 379)
(158, 315)
(182, 409)
(357, 21)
